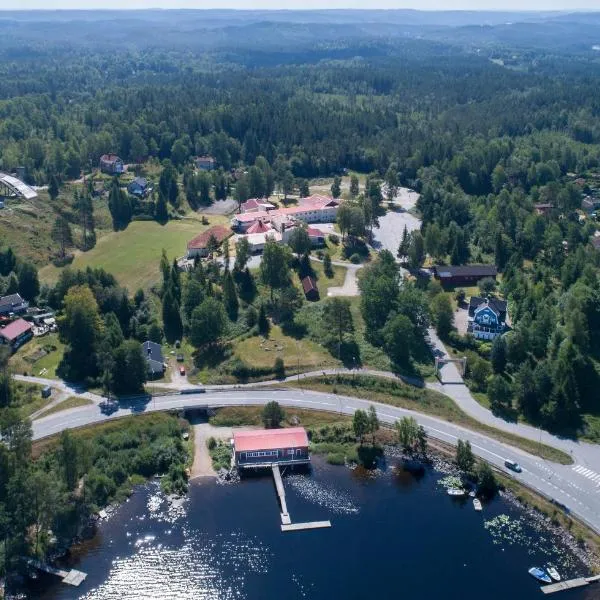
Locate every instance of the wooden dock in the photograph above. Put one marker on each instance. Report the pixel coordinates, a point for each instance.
(72, 577)
(286, 520)
(569, 585)
(302, 526)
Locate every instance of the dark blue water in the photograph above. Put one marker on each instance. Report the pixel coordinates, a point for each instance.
(392, 536)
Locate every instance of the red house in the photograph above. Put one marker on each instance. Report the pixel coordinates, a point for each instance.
(263, 447)
(16, 334)
(311, 291)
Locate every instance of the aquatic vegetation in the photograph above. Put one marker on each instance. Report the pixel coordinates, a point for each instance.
(315, 491)
(450, 482)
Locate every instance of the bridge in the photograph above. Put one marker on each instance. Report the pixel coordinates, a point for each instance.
(12, 187)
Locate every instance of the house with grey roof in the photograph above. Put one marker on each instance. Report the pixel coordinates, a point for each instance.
(154, 359)
(13, 303)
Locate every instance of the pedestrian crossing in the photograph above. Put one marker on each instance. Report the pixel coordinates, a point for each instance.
(592, 475)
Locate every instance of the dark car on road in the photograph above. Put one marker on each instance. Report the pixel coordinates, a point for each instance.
(513, 466)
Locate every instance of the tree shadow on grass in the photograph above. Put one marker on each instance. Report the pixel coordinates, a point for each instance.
(294, 330)
(211, 356)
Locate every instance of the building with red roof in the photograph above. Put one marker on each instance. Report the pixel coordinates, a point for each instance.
(111, 164)
(16, 334)
(311, 291)
(199, 245)
(264, 447)
(257, 205)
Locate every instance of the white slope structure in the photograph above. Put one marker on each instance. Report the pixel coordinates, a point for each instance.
(11, 186)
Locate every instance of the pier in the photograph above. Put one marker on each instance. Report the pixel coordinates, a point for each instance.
(569, 585)
(71, 577)
(286, 521)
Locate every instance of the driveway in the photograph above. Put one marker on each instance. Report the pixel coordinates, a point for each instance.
(220, 207)
(350, 287)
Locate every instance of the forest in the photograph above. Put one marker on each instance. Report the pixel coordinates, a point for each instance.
(484, 122)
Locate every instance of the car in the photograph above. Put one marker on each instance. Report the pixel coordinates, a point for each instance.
(513, 466)
(182, 370)
(180, 358)
(109, 406)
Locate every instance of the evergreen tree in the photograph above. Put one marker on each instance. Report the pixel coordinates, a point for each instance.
(336, 187)
(498, 356)
(404, 246)
(53, 188)
(263, 322)
(61, 234)
(171, 317)
(119, 206)
(161, 211)
(303, 188)
(230, 299)
(354, 186)
(464, 456)
(29, 284)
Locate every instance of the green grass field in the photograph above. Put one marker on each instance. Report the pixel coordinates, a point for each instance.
(37, 357)
(71, 402)
(133, 255)
(305, 352)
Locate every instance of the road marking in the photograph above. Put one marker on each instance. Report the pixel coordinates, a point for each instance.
(588, 473)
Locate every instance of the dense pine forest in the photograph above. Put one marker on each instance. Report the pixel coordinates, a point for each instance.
(485, 120)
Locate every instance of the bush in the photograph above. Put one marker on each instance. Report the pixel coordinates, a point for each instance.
(211, 443)
(355, 259)
(334, 239)
(279, 368)
(336, 458)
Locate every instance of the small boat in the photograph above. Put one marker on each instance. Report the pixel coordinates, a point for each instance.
(540, 575)
(456, 492)
(477, 504)
(553, 572)
(472, 493)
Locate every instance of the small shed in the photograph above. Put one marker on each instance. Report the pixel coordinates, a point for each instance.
(311, 291)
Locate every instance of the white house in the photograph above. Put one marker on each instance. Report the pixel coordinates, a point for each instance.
(487, 317)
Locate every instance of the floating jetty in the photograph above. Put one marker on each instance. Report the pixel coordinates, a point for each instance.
(569, 585)
(286, 521)
(72, 577)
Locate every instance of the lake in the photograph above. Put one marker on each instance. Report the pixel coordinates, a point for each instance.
(393, 535)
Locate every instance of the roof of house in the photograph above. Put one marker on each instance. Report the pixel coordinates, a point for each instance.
(270, 439)
(542, 205)
(596, 242)
(15, 329)
(205, 159)
(11, 301)
(141, 181)
(290, 211)
(109, 158)
(219, 232)
(259, 227)
(314, 232)
(308, 284)
(318, 201)
(153, 351)
(498, 306)
(449, 271)
(256, 203)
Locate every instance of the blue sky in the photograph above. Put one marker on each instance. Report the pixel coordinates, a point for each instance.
(308, 4)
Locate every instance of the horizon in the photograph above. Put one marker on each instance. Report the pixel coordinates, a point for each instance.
(473, 6)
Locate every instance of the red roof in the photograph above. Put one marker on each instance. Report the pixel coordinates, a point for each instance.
(15, 329)
(258, 227)
(308, 284)
(109, 158)
(270, 439)
(314, 232)
(220, 233)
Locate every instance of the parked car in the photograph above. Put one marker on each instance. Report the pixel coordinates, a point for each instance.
(513, 466)
(46, 392)
(180, 358)
(182, 370)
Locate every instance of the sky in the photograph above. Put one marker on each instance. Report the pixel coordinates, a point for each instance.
(305, 4)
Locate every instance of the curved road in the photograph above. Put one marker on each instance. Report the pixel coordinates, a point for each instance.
(555, 481)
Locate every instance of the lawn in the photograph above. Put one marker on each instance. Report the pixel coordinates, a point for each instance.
(39, 357)
(72, 402)
(323, 282)
(237, 416)
(303, 353)
(133, 255)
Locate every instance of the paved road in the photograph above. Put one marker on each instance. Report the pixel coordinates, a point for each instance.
(350, 285)
(569, 485)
